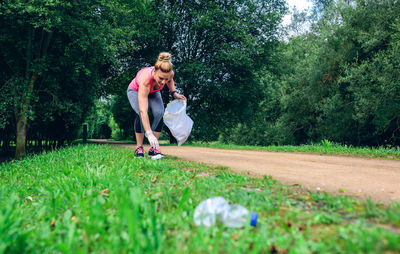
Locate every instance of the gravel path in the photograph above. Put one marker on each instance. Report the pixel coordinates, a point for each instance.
(358, 177)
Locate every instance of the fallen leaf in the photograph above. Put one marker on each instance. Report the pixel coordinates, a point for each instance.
(154, 179)
(251, 246)
(53, 223)
(104, 192)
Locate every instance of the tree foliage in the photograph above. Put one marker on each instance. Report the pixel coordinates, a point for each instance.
(340, 81)
(217, 47)
(56, 56)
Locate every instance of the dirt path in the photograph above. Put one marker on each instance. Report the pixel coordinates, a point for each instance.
(359, 177)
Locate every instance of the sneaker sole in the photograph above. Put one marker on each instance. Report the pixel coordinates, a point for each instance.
(157, 157)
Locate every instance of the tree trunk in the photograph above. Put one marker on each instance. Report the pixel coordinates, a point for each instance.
(20, 150)
(22, 107)
(21, 112)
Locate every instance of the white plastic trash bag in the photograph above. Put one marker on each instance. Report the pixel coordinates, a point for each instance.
(177, 121)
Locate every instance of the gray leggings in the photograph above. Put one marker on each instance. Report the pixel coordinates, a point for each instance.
(157, 108)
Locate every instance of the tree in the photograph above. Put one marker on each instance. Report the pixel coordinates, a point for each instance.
(56, 46)
(372, 77)
(339, 81)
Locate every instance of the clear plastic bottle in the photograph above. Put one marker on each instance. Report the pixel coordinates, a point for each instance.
(217, 209)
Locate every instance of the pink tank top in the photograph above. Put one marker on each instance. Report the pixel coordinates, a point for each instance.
(134, 85)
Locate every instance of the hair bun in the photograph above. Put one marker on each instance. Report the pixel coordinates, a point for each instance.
(164, 57)
(164, 62)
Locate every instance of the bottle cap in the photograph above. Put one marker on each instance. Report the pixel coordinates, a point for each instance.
(253, 220)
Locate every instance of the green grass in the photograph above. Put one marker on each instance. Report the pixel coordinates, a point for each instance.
(99, 199)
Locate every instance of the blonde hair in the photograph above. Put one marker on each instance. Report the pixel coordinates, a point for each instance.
(164, 62)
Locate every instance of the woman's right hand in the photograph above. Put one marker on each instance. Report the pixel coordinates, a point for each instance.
(179, 96)
(152, 139)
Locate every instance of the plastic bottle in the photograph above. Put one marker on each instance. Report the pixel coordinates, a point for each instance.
(217, 209)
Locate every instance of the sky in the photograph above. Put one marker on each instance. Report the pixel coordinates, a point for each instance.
(300, 5)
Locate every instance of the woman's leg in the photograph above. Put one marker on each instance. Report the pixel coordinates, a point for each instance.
(157, 108)
(139, 132)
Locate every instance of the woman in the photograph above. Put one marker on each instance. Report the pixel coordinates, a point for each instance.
(144, 91)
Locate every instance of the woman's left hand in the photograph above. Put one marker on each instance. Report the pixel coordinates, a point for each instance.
(179, 96)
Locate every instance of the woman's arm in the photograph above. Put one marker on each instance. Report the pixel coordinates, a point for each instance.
(143, 98)
(171, 87)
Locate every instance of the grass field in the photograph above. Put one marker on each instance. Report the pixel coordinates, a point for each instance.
(99, 199)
